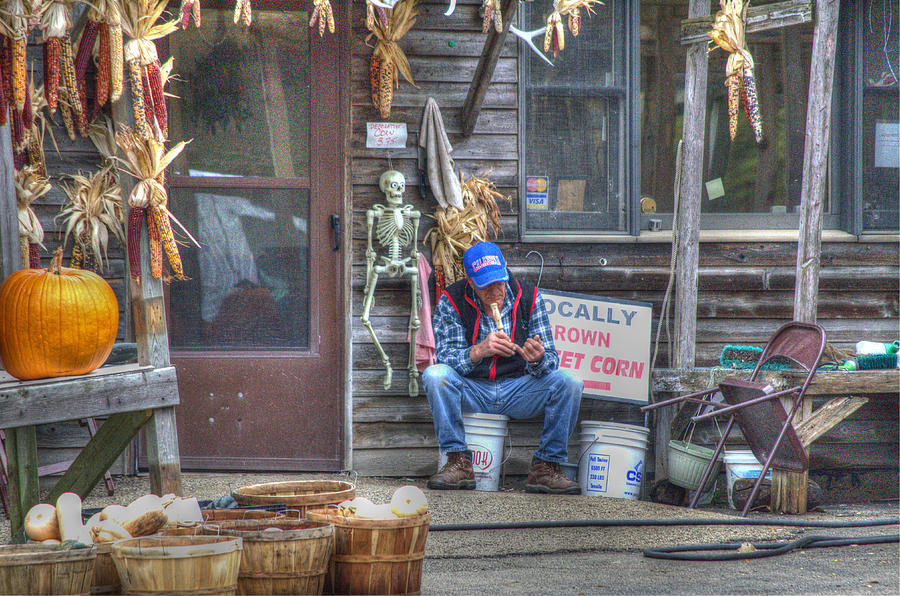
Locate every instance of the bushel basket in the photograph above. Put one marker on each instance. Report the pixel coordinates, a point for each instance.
(299, 495)
(45, 569)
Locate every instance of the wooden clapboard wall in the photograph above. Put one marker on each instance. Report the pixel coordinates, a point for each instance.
(745, 288)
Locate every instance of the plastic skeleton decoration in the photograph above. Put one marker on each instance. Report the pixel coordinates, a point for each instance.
(396, 227)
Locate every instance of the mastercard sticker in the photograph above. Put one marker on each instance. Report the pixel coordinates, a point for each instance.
(537, 192)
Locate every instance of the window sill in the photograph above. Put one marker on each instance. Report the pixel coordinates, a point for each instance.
(665, 236)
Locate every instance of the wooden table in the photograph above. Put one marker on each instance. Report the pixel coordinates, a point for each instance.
(845, 391)
(130, 395)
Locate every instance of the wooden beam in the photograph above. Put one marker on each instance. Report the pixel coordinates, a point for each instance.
(826, 418)
(690, 193)
(99, 454)
(10, 255)
(759, 18)
(834, 383)
(151, 336)
(484, 72)
(22, 459)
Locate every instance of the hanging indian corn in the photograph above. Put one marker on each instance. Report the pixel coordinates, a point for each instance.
(19, 17)
(388, 59)
(243, 13)
(147, 160)
(555, 34)
(30, 186)
(55, 25)
(139, 23)
(728, 33)
(373, 11)
(39, 126)
(111, 28)
(190, 8)
(492, 13)
(325, 16)
(92, 214)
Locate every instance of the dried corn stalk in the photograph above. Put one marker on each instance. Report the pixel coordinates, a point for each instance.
(243, 12)
(146, 161)
(324, 14)
(94, 211)
(458, 229)
(139, 23)
(555, 35)
(190, 8)
(30, 186)
(728, 33)
(388, 59)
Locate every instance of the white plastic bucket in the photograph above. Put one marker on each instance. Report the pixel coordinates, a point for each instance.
(485, 435)
(741, 463)
(611, 461)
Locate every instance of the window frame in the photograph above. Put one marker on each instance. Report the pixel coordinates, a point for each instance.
(630, 166)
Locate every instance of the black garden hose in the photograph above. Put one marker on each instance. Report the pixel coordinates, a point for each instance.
(606, 523)
(701, 552)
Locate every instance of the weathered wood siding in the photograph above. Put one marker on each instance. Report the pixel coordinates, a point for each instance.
(746, 289)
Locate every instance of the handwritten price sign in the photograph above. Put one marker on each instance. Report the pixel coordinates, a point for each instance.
(385, 135)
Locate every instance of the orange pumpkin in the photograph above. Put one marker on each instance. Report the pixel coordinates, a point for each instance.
(56, 322)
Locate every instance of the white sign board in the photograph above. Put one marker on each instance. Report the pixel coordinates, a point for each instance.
(887, 144)
(385, 135)
(604, 342)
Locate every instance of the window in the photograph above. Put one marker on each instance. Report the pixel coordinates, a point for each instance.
(577, 128)
(757, 186)
(870, 109)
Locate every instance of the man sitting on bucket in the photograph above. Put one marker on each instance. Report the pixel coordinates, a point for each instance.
(511, 370)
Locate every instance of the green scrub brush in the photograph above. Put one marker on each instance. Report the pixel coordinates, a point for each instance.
(870, 362)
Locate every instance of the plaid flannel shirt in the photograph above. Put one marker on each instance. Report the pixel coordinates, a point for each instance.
(452, 346)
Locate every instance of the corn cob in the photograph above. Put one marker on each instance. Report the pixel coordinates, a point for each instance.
(135, 219)
(4, 105)
(34, 155)
(116, 62)
(34, 256)
(488, 9)
(190, 8)
(24, 250)
(156, 257)
(67, 73)
(370, 16)
(81, 115)
(66, 111)
(18, 72)
(77, 256)
(751, 103)
(374, 77)
(247, 14)
(85, 48)
(386, 76)
(18, 132)
(27, 111)
(167, 239)
(733, 83)
(149, 115)
(575, 22)
(19, 159)
(137, 99)
(103, 70)
(6, 81)
(159, 98)
(51, 72)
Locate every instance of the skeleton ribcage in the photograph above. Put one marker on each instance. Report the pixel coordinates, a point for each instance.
(394, 231)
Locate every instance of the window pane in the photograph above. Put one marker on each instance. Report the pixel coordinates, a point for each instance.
(574, 126)
(244, 96)
(249, 283)
(880, 150)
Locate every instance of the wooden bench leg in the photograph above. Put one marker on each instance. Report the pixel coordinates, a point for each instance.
(62, 466)
(4, 473)
(21, 452)
(163, 458)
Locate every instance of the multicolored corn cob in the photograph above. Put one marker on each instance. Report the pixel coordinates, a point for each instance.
(141, 124)
(149, 114)
(116, 62)
(101, 89)
(77, 256)
(51, 72)
(751, 103)
(190, 8)
(733, 84)
(322, 13)
(86, 48)
(34, 256)
(135, 220)
(19, 141)
(158, 97)
(18, 71)
(156, 255)
(167, 239)
(65, 108)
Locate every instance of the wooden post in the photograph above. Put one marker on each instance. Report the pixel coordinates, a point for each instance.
(149, 312)
(484, 72)
(10, 255)
(789, 488)
(690, 194)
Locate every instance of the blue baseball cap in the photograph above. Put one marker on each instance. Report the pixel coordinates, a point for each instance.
(485, 264)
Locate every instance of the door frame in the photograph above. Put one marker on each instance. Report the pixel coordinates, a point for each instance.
(333, 147)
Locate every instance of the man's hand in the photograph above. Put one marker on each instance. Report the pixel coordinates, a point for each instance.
(496, 343)
(533, 349)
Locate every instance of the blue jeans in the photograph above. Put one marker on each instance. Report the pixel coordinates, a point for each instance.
(556, 395)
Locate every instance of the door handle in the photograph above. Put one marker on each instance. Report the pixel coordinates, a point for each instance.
(336, 230)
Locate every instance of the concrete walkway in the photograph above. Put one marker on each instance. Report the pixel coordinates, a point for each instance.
(599, 560)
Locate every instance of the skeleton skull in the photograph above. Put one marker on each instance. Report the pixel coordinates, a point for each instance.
(392, 184)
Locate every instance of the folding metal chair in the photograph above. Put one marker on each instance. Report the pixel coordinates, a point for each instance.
(754, 405)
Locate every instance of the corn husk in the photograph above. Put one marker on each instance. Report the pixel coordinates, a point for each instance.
(31, 186)
(393, 61)
(458, 229)
(94, 211)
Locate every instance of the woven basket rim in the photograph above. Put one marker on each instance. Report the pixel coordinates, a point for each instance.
(316, 492)
(411, 521)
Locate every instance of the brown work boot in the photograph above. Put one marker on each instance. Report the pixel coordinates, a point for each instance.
(456, 474)
(547, 477)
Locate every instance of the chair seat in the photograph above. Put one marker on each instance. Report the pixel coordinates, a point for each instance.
(761, 423)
